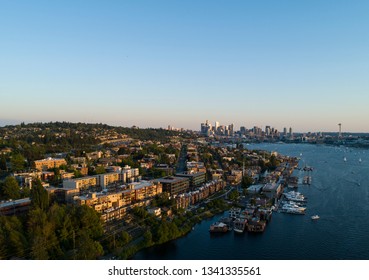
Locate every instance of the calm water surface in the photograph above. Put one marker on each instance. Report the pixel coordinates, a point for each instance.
(339, 194)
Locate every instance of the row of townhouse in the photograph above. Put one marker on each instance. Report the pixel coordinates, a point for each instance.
(186, 199)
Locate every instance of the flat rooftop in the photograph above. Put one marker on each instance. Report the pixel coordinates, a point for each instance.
(170, 179)
(189, 175)
(271, 187)
(15, 202)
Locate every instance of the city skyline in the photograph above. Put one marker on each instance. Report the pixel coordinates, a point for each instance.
(153, 64)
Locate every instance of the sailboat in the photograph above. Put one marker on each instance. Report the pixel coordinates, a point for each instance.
(344, 159)
(360, 160)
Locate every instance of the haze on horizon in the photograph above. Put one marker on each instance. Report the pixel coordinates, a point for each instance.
(299, 64)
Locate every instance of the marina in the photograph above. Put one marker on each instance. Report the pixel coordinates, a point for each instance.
(338, 195)
(251, 219)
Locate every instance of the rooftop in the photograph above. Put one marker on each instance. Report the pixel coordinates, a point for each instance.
(170, 179)
(15, 202)
(271, 187)
(48, 159)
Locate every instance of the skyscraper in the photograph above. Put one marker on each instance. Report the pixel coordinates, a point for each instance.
(216, 126)
(267, 130)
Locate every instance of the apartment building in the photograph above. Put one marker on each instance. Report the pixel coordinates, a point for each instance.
(196, 178)
(186, 199)
(82, 183)
(48, 163)
(174, 185)
(114, 205)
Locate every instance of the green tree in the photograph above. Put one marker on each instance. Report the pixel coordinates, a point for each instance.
(39, 196)
(60, 216)
(18, 162)
(273, 163)
(147, 238)
(3, 163)
(247, 181)
(26, 192)
(233, 195)
(43, 240)
(100, 170)
(77, 174)
(87, 219)
(87, 248)
(14, 242)
(11, 189)
(125, 238)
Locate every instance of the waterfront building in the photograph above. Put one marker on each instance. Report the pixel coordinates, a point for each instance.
(48, 163)
(272, 190)
(185, 200)
(255, 189)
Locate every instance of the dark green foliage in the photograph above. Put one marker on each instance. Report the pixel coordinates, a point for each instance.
(39, 196)
(273, 163)
(100, 170)
(10, 188)
(147, 239)
(163, 200)
(3, 162)
(18, 162)
(247, 181)
(13, 242)
(234, 195)
(41, 233)
(60, 232)
(165, 231)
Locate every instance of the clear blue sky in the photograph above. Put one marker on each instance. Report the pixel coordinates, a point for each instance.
(303, 64)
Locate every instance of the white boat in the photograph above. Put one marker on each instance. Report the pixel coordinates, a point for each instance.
(360, 160)
(315, 217)
(295, 196)
(344, 159)
(293, 208)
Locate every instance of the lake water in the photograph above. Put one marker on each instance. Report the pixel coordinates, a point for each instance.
(339, 194)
